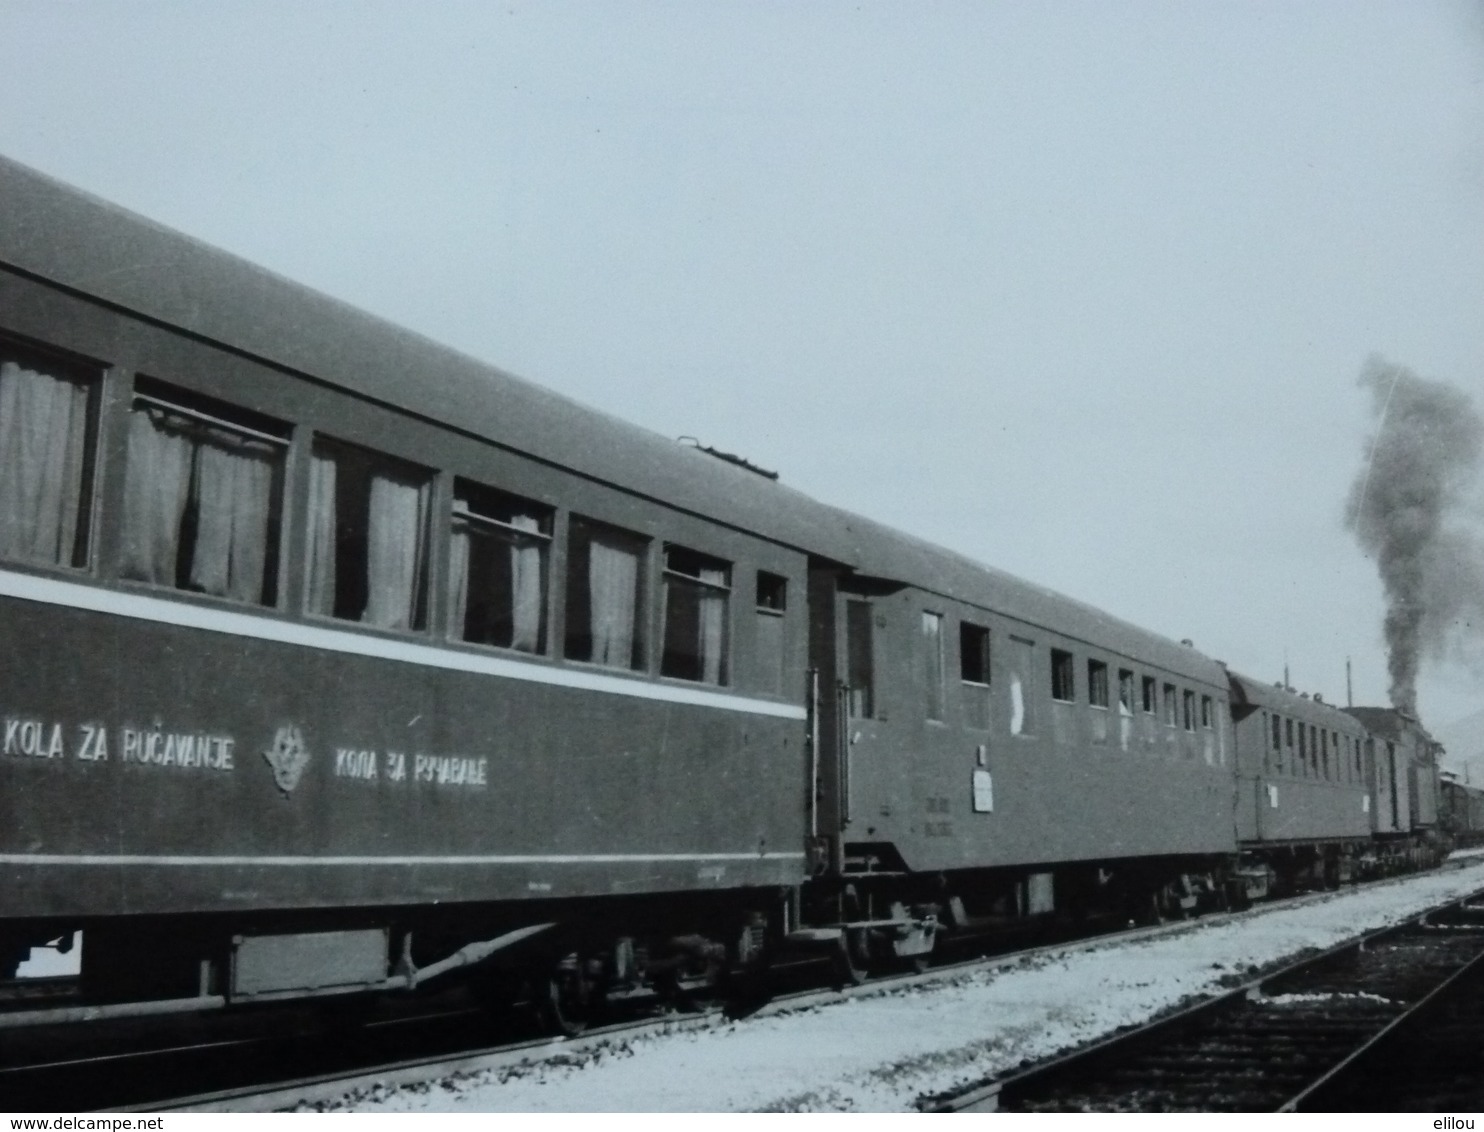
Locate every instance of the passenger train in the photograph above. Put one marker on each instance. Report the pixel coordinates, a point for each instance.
(338, 661)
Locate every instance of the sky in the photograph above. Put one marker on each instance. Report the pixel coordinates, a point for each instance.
(1081, 290)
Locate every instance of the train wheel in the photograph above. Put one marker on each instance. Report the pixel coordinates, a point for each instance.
(564, 1000)
(750, 987)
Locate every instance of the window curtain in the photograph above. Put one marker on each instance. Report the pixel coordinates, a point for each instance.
(43, 434)
(156, 489)
(458, 578)
(320, 597)
(613, 580)
(233, 494)
(1017, 705)
(713, 620)
(525, 588)
(394, 553)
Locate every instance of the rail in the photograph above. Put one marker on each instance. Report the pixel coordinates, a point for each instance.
(1294, 1039)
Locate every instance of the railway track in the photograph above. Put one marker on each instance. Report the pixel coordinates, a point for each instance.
(260, 1060)
(1386, 1021)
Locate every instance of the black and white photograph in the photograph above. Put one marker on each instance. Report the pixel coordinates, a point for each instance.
(642, 556)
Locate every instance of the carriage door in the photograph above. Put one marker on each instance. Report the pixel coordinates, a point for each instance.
(855, 703)
(875, 770)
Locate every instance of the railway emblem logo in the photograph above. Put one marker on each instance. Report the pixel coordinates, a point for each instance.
(288, 757)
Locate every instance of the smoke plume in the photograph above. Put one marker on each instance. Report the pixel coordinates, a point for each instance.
(1414, 509)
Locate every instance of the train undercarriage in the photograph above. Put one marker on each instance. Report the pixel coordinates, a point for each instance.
(569, 962)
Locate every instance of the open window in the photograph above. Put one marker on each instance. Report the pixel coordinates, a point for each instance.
(498, 565)
(973, 662)
(1097, 684)
(48, 409)
(1063, 678)
(605, 590)
(697, 589)
(1125, 692)
(772, 605)
(368, 537)
(203, 487)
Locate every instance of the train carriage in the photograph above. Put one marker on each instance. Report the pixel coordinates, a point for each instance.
(982, 723)
(1460, 811)
(1304, 799)
(316, 625)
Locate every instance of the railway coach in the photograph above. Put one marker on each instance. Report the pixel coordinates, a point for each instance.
(334, 653)
(1304, 791)
(341, 661)
(1460, 811)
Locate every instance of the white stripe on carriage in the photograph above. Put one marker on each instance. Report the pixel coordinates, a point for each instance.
(53, 591)
(279, 862)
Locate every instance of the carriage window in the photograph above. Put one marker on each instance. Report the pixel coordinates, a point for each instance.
(1022, 703)
(1172, 707)
(497, 569)
(367, 551)
(1097, 683)
(47, 412)
(859, 660)
(1267, 747)
(1125, 692)
(1062, 676)
(696, 593)
(1314, 750)
(202, 491)
(973, 666)
(1324, 751)
(973, 653)
(1188, 704)
(1151, 690)
(932, 659)
(1206, 711)
(772, 601)
(1278, 738)
(1303, 749)
(605, 587)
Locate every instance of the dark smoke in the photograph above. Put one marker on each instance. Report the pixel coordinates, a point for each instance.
(1412, 509)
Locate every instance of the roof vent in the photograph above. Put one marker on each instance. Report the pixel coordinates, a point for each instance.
(729, 457)
(1318, 699)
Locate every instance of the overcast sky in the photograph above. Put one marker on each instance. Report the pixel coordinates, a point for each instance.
(1081, 290)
